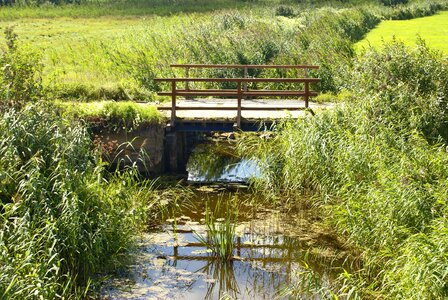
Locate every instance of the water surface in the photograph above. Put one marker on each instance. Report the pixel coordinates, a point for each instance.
(272, 246)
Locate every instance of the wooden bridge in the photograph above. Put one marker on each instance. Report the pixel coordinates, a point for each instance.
(241, 106)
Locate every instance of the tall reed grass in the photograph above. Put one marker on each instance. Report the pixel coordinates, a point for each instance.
(220, 222)
(62, 219)
(378, 168)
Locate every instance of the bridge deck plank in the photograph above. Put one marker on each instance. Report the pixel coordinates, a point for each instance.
(253, 109)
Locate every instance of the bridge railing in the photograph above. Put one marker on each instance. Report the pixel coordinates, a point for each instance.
(241, 92)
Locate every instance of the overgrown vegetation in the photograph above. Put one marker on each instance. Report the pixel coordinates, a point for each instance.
(378, 166)
(62, 220)
(117, 58)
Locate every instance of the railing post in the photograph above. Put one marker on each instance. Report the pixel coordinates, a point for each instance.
(238, 116)
(246, 75)
(307, 93)
(187, 73)
(187, 86)
(173, 103)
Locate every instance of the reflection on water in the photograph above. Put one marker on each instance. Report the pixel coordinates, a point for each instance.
(218, 162)
(271, 245)
(270, 248)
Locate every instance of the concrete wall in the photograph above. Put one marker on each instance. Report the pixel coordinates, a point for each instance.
(152, 148)
(143, 146)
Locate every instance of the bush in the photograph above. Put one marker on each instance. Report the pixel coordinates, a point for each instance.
(406, 89)
(393, 2)
(285, 11)
(21, 73)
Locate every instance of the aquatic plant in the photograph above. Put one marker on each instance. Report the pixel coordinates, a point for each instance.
(220, 225)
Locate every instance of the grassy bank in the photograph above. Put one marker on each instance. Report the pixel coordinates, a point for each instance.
(378, 169)
(125, 114)
(434, 30)
(117, 55)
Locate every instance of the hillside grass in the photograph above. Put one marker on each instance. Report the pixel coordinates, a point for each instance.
(433, 29)
(144, 8)
(112, 58)
(114, 50)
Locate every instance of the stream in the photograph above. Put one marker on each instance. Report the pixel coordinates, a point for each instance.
(273, 248)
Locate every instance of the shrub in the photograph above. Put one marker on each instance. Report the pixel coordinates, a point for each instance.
(285, 11)
(21, 71)
(406, 89)
(393, 2)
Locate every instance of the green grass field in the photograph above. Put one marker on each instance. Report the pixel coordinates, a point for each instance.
(113, 50)
(111, 55)
(434, 30)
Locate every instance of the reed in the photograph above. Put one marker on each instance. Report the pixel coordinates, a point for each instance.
(377, 167)
(220, 229)
(62, 219)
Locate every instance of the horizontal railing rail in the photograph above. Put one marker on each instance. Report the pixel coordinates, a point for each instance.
(244, 66)
(240, 92)
(286, 80)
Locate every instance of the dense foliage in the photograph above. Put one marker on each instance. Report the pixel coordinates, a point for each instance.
(379, 165)
(62, 219)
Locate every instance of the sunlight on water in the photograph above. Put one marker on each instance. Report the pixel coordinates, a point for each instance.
(270, 246)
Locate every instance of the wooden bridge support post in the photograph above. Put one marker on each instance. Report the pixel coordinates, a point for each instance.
(187, 73)
(238, 115)
(307, 94)
(246, 75)
(173, 104)
(187, 84)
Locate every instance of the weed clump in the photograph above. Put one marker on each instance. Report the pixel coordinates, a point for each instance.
(220, 237)
(284, 11)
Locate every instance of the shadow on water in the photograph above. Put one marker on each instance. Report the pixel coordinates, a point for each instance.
(270, 246)
(218, 162)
